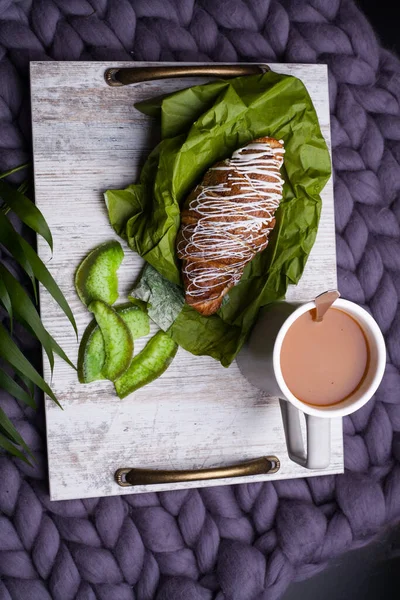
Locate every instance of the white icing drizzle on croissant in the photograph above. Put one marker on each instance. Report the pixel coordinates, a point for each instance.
(215, 237)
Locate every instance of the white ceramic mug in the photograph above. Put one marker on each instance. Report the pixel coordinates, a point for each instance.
(259, 362)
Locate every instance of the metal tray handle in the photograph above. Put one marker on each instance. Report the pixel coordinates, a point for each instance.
(259, 466)
(127, 75)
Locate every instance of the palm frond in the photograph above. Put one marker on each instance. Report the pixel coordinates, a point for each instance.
(43, 275)
(14, 170)
(29, 385)
(10, 239)
(10, 352)
(20, 307)
(8, 384)
(25, 312)
(12, 448)
(6, 301)
(26, 211)
(8, 431)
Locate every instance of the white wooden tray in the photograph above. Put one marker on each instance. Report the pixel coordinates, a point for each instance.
(88, 137)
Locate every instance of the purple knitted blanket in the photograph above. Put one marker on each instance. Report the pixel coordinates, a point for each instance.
(242, 542)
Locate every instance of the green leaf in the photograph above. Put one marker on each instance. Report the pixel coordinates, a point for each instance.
(14, 170)
(12, 449)
(44, 276)
(13, 355)
(53, 344)
(6, 301)
(8, 430)
(24, 187)
(25, 210)
(60, 352)
(8, 384)
(33, 265)
(200, 126)
(12, 241)
(26, 312)
(30, 386)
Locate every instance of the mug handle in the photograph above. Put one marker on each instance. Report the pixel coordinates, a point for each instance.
(318, 452)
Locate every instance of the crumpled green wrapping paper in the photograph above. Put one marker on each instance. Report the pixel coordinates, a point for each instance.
(199, 126)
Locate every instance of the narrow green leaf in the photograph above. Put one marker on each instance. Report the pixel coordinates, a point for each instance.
(8, 384)
(33, 265)
(26, 210)
(14, 170)
(30, 386)
(54, 346)
(12, 241)
(60, 352)
(24, 187)
(9, 431)
(6, 301)
(44, 276)
(11, 448)
(13, 355)
(25, 310)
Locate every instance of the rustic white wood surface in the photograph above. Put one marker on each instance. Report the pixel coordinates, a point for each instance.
(88, 137)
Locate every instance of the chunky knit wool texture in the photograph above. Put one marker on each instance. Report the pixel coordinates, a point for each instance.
(243, 542)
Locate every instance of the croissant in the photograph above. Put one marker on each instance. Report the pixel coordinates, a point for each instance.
(226, 221)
